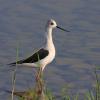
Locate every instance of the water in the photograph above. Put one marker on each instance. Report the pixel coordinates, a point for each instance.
(78, 52)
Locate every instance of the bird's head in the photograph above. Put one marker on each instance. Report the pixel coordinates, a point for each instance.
(52, 24)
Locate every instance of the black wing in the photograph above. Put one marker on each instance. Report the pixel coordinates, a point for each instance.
(42, 53)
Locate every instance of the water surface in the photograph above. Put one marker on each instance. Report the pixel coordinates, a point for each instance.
(78, 52)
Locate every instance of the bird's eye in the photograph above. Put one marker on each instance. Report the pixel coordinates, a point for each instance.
(52, 23)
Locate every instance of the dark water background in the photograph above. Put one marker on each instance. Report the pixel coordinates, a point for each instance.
(78, 52)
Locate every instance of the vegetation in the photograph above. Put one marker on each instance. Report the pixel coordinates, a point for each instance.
(40, 92)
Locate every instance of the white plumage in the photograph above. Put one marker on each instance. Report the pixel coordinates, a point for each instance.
(45, 55)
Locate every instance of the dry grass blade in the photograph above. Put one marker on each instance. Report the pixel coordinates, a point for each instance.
(14, 75)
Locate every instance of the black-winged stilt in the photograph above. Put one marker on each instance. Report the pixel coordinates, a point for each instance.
(46, 54)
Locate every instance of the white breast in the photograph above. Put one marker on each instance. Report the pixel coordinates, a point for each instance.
(49, 58)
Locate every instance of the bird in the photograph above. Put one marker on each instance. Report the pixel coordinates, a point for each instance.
(46, 54)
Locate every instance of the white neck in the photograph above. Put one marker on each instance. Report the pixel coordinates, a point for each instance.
(49, 41)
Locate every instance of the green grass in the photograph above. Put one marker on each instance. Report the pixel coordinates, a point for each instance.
(97, 88)
(40, 92)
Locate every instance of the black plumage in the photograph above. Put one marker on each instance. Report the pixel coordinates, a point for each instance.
(41, 54)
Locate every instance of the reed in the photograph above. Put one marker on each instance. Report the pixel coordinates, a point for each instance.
(14, 74)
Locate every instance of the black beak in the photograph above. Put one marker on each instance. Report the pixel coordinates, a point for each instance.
(62, 29)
